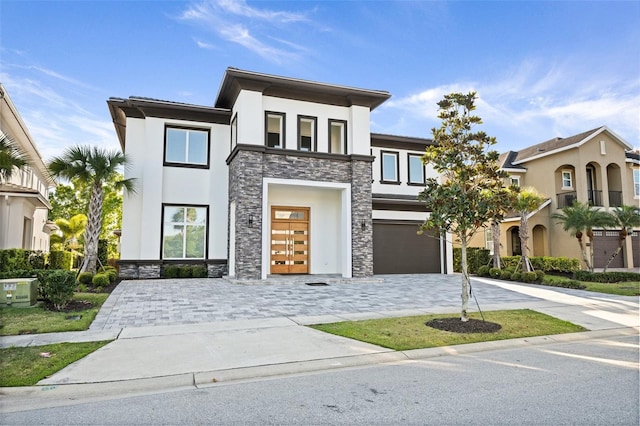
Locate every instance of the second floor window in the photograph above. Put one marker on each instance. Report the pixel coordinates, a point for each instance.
(274, 130)
(636, 183)
(514, 180)
(306, 133)
(567, 179)
(416, 170)
(389, 167)
(337, 137)
(186, 147)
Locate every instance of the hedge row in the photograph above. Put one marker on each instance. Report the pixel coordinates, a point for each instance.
(547, 264)
(606, 277)
(27, 260)
(476, 257)
(184, 271)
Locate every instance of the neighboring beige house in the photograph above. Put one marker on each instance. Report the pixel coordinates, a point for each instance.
(24, 199)
(595, 167)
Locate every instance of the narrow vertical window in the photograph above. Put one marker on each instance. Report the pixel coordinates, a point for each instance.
(234, 131)
(274, 130)
(567, 179)
(390, 167)
(636, 183)
(514, 180)
(306, 133)
(337, 136)
(416, 170)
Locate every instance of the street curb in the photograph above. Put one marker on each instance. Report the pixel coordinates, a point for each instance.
(47, 396)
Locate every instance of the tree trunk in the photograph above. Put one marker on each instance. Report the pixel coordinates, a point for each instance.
(94, 226)
(495, 233)
(621, 241)
(523, 233)
(465, 282)
(584, 254)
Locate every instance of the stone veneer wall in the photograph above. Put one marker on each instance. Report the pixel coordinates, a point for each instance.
(247, 169)
(149, 269)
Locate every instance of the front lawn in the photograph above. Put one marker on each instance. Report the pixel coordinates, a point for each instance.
(27, 366)
(411, 332)
(14, 321)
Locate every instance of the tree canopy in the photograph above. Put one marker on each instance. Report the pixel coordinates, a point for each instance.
(471, 190)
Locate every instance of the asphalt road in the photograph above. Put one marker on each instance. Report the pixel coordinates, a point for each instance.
(593, 382)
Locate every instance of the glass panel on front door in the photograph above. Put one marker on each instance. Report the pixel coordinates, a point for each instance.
(289, 240)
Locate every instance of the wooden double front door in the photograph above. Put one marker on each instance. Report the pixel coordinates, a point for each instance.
(289, 240)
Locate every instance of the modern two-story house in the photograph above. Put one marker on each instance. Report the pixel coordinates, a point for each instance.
(279, 176)
(596, 167)
(24, 198)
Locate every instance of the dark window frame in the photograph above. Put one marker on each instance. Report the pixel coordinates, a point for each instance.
(314, 142)
(283, 117)
(424, 178)
(382, 177)
(168, 126)
(206, 231)
(344, 135)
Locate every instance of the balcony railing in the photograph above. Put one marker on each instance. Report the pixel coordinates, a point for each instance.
(594, 197)
(566, 199)
(615, 198)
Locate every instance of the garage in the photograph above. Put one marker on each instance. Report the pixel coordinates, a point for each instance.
(398, 249)
(605, 244)
(635, 245)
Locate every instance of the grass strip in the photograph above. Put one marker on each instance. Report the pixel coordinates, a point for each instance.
(629, 288)
(26, 366)
(411, 332)
(15, 321)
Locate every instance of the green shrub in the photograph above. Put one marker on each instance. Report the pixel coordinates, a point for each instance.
(199, 271)
(85, 278)
(100, 280)
(539, 276)
(185, 272)
(529, 277)
(12, 259)
(476, 257)
(516, 276)
(112, 274)
(494, 272)
(82, 288)
(563, 282)
(483, 271)
(171, 271)
(103, 251)
(37, 259)
(544, 263)
(20, 273)
(606, 277)
(60, 260)
(57, 287)
(505, 274)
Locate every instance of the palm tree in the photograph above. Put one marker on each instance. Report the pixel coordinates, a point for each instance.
(626, 217)
(72, 230)
(11, 157)
(580, 219)
(527, 201)
(94, 166)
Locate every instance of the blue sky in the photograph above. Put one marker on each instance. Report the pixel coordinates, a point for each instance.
(541, 69)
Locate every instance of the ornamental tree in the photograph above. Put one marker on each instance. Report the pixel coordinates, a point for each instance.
(470, 191)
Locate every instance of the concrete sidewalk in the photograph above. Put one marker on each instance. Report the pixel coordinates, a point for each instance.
(159, 358)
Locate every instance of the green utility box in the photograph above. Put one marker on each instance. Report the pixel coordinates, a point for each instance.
(19, 292)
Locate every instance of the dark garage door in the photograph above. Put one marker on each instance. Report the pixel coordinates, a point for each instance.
(397, 249)
(604, 244)
(635, 246)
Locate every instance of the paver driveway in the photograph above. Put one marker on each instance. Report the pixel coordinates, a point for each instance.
(192, 301)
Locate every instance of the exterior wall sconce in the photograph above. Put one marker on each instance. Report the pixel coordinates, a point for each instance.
(363, 224)
(250, 221)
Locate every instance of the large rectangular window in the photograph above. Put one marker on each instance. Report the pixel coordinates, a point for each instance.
(184, 232)
(274, 123)
(186, 147)
(337, 136)
(306, 133)
(390, 167)
(416, 169)
(636, 183)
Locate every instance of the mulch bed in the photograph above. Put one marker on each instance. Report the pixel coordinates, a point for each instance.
(456, 326)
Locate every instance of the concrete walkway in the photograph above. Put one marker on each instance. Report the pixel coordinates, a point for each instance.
(171, 334)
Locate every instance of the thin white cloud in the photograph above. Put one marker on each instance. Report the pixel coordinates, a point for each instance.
(234, 21)
(205, 45)
(533, 103)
